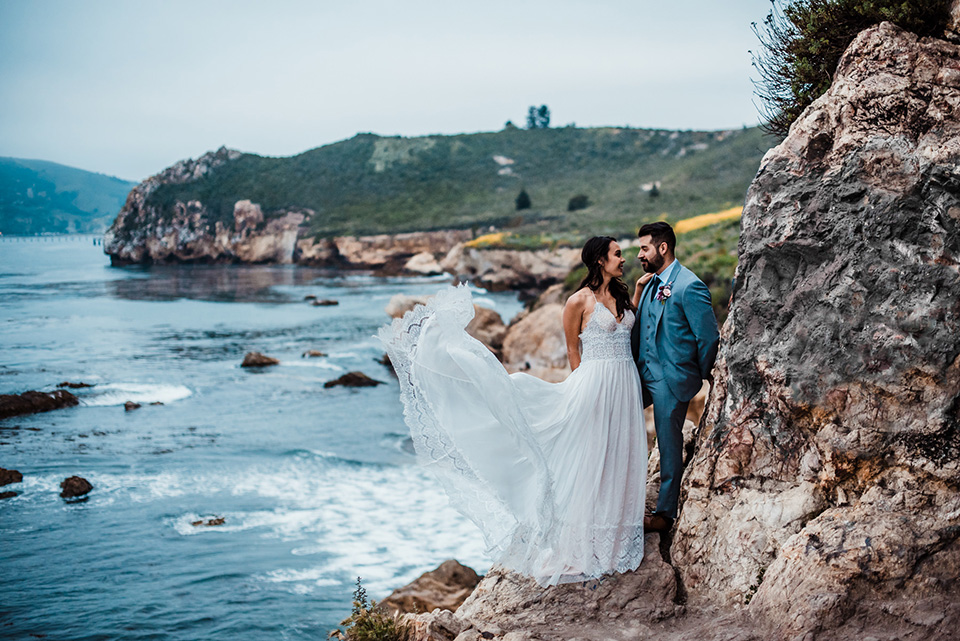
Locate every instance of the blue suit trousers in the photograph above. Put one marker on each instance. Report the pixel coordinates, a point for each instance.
(669, 413)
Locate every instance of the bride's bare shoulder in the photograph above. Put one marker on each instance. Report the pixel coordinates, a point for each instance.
(578, 300)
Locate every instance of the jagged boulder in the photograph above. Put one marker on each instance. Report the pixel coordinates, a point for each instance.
(74, 487)
(506, 605)
(446, 587)
(10, 476)
(823, 489)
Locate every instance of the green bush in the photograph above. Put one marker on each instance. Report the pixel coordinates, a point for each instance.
(580, 201)
(366, 623)
(801, 45)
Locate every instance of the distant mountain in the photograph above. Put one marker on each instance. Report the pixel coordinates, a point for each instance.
(39, 197)
(374, 184)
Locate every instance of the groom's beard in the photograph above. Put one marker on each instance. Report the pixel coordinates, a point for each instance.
(652, 266)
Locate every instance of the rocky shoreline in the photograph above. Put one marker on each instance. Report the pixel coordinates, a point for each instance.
(141, 235)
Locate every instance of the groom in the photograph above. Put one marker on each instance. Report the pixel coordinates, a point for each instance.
(674, 344)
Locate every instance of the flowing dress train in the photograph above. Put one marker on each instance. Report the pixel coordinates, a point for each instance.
(553, 474)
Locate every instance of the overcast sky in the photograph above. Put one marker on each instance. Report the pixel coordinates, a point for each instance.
(129, 87)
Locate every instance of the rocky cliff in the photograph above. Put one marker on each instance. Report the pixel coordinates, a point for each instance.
(826, 476)
(822, 494)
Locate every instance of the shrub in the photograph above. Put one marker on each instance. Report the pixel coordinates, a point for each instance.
(366, 623)
(523, 200)
(579, 201)
(801, 45)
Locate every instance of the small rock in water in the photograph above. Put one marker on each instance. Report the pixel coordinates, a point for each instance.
(256, 359)
(156, 403)
(386, 362)
(310, 297)
(130, 405)
(353, 379)
(7, 495)
(9, 476)
(74, 486)
(74, 385)
(326, 302)
(312, 353)
(219, 520)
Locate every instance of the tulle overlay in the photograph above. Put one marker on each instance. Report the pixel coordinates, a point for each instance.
(553, 474)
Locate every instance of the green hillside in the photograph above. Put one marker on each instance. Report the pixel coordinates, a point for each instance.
(39, 197)
(373, 184)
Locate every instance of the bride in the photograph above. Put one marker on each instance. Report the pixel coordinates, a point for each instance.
(553, 474)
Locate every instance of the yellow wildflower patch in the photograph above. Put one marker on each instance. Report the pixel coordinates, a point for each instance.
(488, 240)
(699, 222)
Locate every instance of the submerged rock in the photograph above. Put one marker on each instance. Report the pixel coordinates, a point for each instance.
(70, 385)
(9, 476)
(8, 495)
(215, 521)
(129, 406)
(256, 359)
(74, 486)
(312, 353)
(446, 587)
(32, 402)
(325, 302)
(353, 379)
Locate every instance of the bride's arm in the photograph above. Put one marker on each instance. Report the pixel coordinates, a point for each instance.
(641, 283)
(572, 318)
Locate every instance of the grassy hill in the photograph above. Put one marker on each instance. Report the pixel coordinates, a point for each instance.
(374, 184)
(38, 197)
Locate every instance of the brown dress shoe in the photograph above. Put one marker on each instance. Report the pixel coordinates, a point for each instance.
(657, 523)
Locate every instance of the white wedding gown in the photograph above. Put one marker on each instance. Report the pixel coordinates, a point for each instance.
(554, 474)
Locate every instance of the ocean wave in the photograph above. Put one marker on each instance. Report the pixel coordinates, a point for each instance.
(120, 393)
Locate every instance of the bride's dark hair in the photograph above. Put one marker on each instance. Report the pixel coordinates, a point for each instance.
(594, 250)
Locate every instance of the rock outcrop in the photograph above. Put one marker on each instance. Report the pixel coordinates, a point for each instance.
(74, 487)
(823, 488)
(535, 344)
(446, 587)
(256, 359)
(353, 379)
(32, 402)
(10, 476)
(507, 269)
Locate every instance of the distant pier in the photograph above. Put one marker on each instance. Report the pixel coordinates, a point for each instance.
(96, 239)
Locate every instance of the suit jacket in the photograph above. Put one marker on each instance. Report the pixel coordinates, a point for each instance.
(686, 336)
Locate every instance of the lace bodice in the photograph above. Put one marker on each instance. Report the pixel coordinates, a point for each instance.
(603, 338)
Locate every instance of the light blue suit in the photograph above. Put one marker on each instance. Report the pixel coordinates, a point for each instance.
(674, 344)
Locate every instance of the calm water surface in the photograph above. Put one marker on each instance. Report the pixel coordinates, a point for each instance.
(317, 486)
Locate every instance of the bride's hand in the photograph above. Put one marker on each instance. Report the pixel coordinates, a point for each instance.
(643, 280)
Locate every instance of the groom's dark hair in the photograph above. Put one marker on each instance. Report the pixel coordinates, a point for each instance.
(660, 232)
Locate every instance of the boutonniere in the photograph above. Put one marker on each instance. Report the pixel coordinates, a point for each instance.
(664, 293)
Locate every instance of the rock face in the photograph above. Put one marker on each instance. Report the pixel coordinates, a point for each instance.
(823, 488)
(446, 587)
(144, 233)
(33, 402)
(535, 344)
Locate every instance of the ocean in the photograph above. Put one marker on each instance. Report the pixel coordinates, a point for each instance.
(316, 486)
